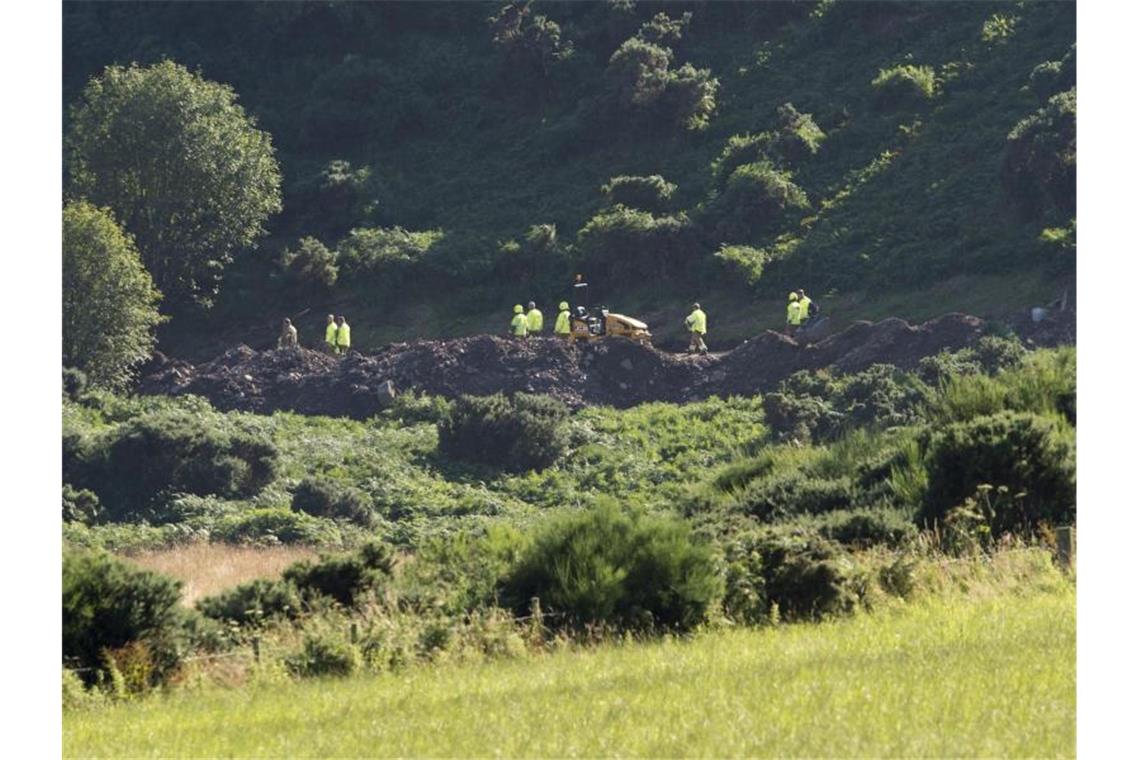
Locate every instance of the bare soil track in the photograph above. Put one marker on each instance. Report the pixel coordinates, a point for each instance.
(610, 372)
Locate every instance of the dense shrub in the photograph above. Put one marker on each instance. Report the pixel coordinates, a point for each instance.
(531, 45)
(740, 150)
(755, 196)
(904, 84)
(108, 604)
(794, 493)
(174, 451)
(942, 367)
(1027, 453)
(276, 525)
(650, 193)
(995, 353)
(620, 242)
(689, 99)
(388, 252)
(253, 603)
(322, 497)
(460, 572)
(311, 267)
(800, 136)
(773, 576)
(74, 383)
(517, 433)
(1051, 77)
(639, 80)
(344, 578)
(324, 653)
(663, 30)
(410, 408)
(623, 568)
(867, 527)
(1039, 168)
(80, 505)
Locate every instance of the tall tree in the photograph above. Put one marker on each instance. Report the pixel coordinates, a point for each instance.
(110, 305)
(182, 166)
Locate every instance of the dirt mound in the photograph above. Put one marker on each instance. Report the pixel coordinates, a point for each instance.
(610, 372)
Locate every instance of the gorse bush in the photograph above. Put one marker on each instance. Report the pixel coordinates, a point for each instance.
(388, 252)
(604, 565)
(311, 267)
(1028, 454)
(905, 84)
(325, 654)
(80, 505)
(253, 603)
(621, 241)
(344, 578)
(1039, 168)
(517, 433)
(322, 497)
(772, 576)
(639, 80)
(755, 196)
(800, 136)
(650, 193)
(108, 604)
(172, 452)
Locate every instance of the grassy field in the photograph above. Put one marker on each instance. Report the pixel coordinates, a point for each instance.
(962, 677)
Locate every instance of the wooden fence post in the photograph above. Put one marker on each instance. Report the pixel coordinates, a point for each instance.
(1066, 546)
(257, 649)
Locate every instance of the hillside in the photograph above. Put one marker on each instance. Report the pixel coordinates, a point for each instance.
(904, 209)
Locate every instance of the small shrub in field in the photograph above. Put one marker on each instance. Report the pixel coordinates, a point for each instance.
(803, 577)
(609, 566)
(743, 260)
(741, 150)
(622, 241)
(410, 408)
(386, 251)
(108, 604)
(904, 84)
(865, 527)
(1026, 453)
(253, 603)
(322, 497)
(516, 433)
(942, 367)
(325, 654)
(755, 196)
(344, 578)
(800, 136)
(650, 193)
(995, 353)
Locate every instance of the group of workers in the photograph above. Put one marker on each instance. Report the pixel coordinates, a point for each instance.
(338, 335)
(800, 310)
(529, 321)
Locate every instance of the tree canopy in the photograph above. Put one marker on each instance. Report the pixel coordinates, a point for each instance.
(182, 166)
(110, 305)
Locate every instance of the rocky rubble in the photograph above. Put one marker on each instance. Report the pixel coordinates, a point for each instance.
(611, 372)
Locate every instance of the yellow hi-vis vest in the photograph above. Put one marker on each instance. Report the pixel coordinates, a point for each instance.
(793, 312)
(330, 334)
(697, 322)
(562, 323)
(534, 321)
(805, 308)
(518, 325)
(342, 336)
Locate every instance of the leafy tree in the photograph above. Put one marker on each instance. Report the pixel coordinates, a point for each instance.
(110, 305)
(311, 266)
(181, 164)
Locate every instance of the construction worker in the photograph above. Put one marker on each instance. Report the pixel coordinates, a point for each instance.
(562, 322)
(697, 323)
(288, 336)
(793, 313)
(518, 322)
(330, 335)
(343, 335)
(807, 308)
(533, 319)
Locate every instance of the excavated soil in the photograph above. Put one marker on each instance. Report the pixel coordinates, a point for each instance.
(610, 372)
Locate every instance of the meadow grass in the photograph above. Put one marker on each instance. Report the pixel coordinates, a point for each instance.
(206, 569)
(945, 676)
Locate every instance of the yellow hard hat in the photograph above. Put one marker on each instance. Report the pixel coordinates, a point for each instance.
(564, 306)
(518, 308)
(792, 296)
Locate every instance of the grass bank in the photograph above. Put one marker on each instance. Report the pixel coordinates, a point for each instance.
(946, 676)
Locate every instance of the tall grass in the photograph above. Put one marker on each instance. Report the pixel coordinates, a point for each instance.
(206, 569)
(943, 677)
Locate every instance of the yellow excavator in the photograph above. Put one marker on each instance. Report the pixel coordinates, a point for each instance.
(588, 325)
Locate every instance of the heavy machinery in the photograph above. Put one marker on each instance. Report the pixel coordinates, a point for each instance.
(591, 325)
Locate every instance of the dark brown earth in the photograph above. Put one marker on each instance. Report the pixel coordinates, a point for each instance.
(610, 372)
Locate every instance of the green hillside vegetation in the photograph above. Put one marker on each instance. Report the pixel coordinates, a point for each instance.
(443, 161)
